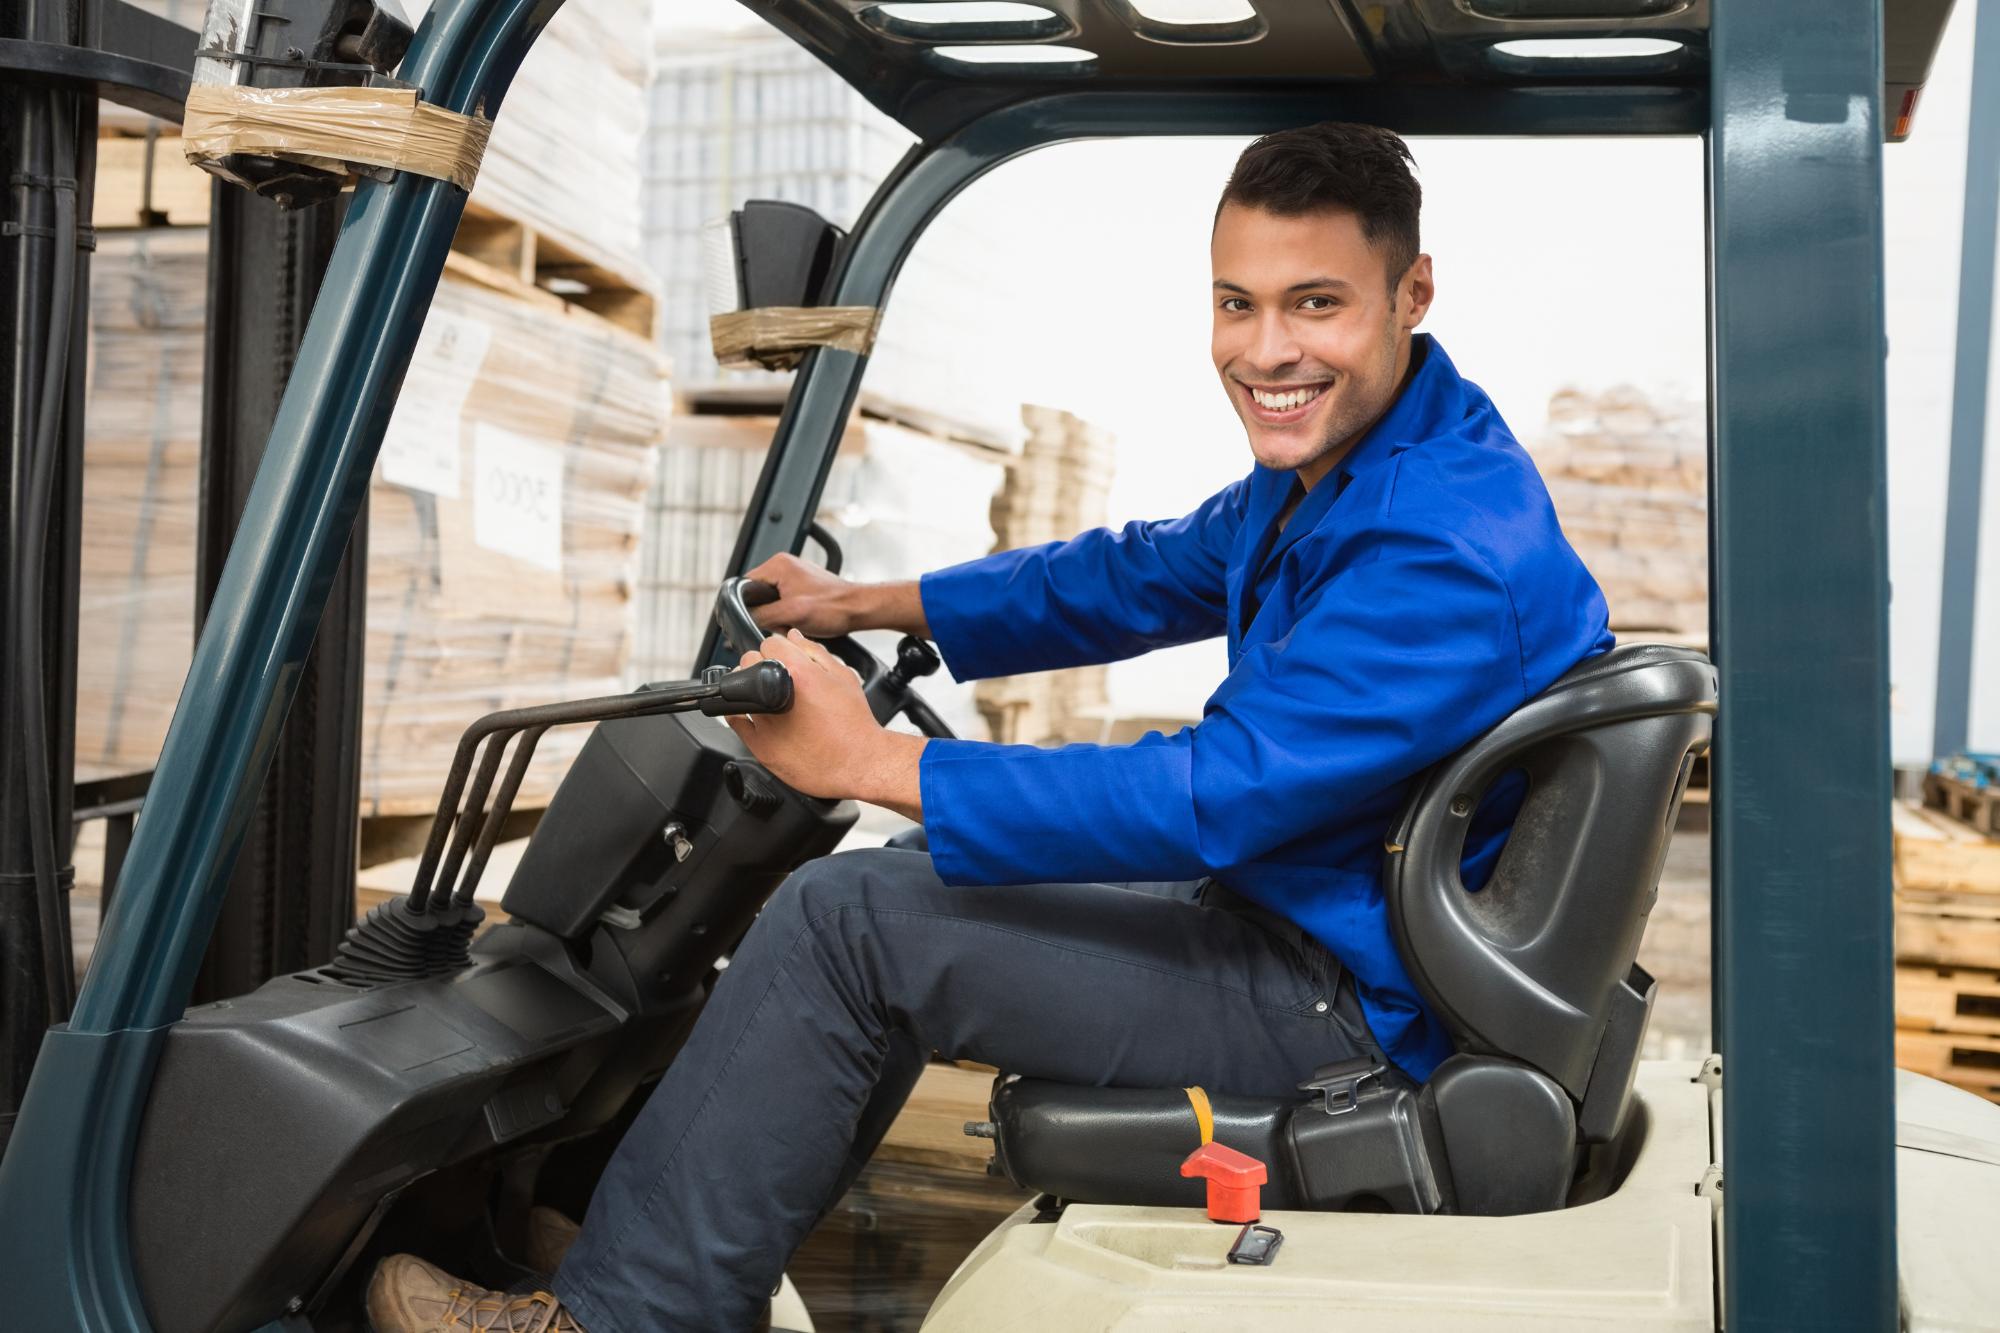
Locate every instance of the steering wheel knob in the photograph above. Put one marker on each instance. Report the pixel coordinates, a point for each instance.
(915, 659)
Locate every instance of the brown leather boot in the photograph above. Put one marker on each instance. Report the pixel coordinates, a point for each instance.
(408, 1295)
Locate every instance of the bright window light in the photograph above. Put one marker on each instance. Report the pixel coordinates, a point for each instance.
(945, 12)
(1192, 12)
(1036, 54)
(1586, 48)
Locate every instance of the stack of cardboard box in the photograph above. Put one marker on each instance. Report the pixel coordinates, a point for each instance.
(1629, 478)
(1059, 486)
(503, 525)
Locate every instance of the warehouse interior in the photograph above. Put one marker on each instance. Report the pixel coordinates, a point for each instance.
(565, 477)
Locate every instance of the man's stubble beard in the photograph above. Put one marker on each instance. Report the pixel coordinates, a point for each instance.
(1351, 420)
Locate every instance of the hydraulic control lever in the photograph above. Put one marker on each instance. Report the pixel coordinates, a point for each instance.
(430, 931)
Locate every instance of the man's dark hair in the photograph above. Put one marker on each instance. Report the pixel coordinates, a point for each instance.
(1336, 166)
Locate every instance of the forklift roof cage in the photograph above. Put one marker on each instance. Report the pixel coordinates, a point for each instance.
(1789, 96)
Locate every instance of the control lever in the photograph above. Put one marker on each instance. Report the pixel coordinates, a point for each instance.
(430, 931)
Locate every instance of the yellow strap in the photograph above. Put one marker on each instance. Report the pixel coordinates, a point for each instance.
(1204, 1115)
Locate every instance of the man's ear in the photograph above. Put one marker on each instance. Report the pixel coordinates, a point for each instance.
(1414, 293)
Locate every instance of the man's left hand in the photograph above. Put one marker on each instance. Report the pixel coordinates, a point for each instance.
(828, 744)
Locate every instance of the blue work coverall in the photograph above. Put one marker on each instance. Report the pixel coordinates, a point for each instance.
(1197, 908)
(1420, 593)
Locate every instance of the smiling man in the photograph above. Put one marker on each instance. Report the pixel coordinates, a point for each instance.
(1203, 908)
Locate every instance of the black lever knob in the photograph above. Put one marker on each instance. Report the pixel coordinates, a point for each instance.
(914, 659)
(763, 688)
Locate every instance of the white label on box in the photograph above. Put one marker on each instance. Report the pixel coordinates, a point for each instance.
(420, 450)
(517, 499)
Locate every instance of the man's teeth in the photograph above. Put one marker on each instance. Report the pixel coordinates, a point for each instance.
(1284, 402)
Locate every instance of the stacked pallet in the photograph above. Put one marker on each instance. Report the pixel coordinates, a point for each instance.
(504, 522)
(755, 116)
(1947, 949)
(563, 165)
(898, 500)
(1060, 485)
(1629, 479)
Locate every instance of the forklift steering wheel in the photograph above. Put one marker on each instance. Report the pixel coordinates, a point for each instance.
(888, 689)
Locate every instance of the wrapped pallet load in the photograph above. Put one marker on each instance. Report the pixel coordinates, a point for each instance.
(1629, 477)
(503, 523)
(1060, 485)
(142, 456)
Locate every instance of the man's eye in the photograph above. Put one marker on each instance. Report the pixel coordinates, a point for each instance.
(1235, 305)
(1319, 303)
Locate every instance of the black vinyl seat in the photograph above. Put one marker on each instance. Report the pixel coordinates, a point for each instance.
(1535, 975)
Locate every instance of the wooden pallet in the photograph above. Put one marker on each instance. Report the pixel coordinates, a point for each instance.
(1948, 929)
(149, 182)
(1935, 853)
(1970, 1061)
(531, 260)
(1956, 1001)
(766, 398)
(1977, 807)
(930, 1131)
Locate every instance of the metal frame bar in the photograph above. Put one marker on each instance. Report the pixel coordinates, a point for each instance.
(1958, 600)
(1800, 632)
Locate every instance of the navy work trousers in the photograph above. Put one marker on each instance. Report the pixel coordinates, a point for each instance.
(863, 964)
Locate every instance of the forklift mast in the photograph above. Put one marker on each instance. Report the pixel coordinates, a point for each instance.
(291, 892)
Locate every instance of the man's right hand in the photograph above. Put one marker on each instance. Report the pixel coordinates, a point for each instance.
(824, 606)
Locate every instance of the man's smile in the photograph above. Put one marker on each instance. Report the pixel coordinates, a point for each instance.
(1281, 404)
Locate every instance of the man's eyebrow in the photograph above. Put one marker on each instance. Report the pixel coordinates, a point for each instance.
(1310, 284)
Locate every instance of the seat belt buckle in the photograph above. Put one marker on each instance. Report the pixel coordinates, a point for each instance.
(1340, 1085)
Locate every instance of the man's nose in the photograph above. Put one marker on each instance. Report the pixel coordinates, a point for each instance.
(1273, 347)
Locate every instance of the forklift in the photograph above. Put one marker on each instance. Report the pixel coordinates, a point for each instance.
(240, 1164)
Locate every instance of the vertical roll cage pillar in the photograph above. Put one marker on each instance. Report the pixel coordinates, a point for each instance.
(1802, 929)
(1799, 614)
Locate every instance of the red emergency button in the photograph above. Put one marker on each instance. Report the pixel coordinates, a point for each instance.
(1232, 1177)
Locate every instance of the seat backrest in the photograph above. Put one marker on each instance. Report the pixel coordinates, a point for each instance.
(1540, 964)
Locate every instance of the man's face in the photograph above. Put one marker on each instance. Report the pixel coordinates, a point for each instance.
(1310, 338)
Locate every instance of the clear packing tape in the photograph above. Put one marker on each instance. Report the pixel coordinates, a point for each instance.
(335, 129)
(776, 337)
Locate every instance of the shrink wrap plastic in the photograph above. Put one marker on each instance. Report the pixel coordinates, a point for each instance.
(776, 337)
(504, 520)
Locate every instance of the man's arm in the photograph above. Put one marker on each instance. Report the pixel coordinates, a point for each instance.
(1098, 597)
(825, 605)
(1398, 662)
